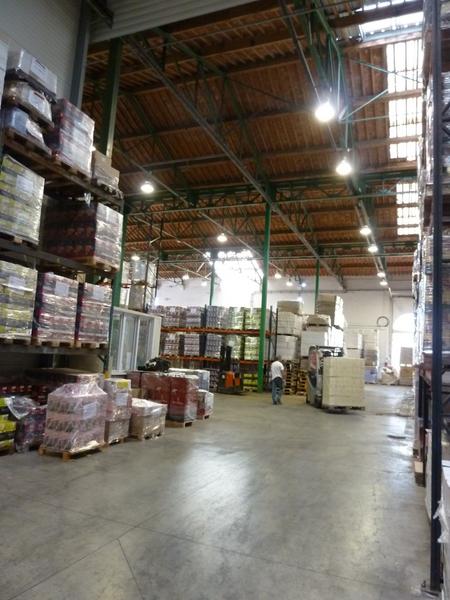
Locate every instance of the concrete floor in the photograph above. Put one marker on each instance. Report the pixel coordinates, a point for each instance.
(260, 502)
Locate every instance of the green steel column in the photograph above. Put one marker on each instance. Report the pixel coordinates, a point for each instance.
(110, 97)
(262, 327)
(316, 290)
(212, 283)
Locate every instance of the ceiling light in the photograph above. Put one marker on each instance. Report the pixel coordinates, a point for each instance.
(135, 257)
(365, 230)
(289, 283)
(383, 282)
(185, 277)
(222, 238)
(303, 284)
(372, 248)
(277, 275)
(381, 274)
(325, 112)
(344, 167)
(204, 283)
(147, 187)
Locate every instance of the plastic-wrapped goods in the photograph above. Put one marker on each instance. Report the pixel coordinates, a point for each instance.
(34, 102)
(202, 374)
(252, 319)
(56, 308)
(173, 316)
(183, 398)
(343, 382)
(147, 418)
(156, 386)
(289, 323)
(291, 306)
(236, 318)
(191, 344)
(329, 304)
(236, 343)
(76, 414)
(251, 347)
(170, 344)
(20, 122)
(23, 65)
(118, 405)
(116, 430)
(21, 193)
(7, 433)
(55, 377)
(205, 404)
(73, 136)
(194, 316)
(17, 292)
(103, 172)
(94, 307)
(85, 232)
(216, 317)
(213, 345)
(30, 422)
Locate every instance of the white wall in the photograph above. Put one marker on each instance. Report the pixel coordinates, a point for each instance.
(47, 29)
(364, 301)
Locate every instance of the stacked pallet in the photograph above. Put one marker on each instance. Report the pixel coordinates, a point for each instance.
(292, 369)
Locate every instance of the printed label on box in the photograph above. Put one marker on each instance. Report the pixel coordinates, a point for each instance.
(24, 184)
(98, 293)
(122, 398)
(61, 289)
(89, 410)
(38, 69)
(16, 282)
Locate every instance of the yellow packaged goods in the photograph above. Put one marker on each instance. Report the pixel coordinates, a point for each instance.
(17, 292)
(7, 431)
(21, 193)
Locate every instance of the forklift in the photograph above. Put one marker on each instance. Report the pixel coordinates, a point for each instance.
(315, 371)
(230, 380)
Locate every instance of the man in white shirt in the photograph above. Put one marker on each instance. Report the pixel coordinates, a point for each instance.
(276, 377)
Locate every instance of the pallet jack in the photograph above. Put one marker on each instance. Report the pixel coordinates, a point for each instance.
(230, 380)
(315, 371)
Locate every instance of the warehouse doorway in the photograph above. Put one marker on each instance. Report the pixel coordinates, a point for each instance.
(402, 336)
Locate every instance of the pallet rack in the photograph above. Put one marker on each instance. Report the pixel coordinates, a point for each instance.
(61, 181)
(432, 398)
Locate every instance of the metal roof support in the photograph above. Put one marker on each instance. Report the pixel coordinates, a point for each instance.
(140, 46)
(110, 98)
(81, 47)
(265, 277)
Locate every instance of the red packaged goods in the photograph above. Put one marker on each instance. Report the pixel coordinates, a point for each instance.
(54, 377)
(156, 386)
(56, 308)
(147, 418)
(119, 399)
(183, 398)
(76, 414)
(94, 307)
(73, 136)
(83, 231)
(205, 405)
(135, 378)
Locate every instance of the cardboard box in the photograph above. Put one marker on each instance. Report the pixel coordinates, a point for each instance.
(406, 376)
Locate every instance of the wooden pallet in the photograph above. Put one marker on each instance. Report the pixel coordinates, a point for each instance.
(90, 345)
(28, 142)
(149, 436)
(18, 240)
(203, 417)
(68, 455)
(58, 160)
(91, 261)
(179, 424)
(18, 341)
(121, 440)
(7, 451)
(52, 343)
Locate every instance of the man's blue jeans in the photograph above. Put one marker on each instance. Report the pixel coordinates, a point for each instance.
(277, 388)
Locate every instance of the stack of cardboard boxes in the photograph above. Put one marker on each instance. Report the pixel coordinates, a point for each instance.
(370, 353)
(343, 382)
(353, 343)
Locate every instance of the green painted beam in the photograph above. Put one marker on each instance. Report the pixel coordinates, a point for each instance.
(110, 98)
(317, 284)
(265, 277)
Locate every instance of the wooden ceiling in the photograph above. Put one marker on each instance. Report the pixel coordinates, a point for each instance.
(201, 192)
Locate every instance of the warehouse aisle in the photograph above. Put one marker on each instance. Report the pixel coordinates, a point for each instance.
(260, 502)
